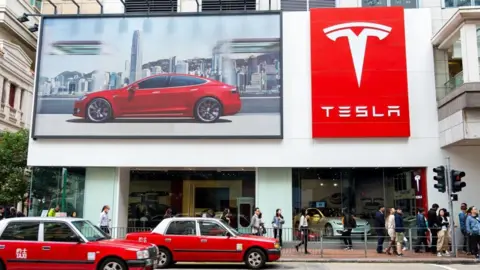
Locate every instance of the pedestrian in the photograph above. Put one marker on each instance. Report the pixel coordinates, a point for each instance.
(104, 220)
(168, 213)
(399, 231)
(2, 213)
(303, 228)
(277, 224)
(462, 219)
(472, 227)
(421, 231)
(13, 212)
(226, 216)
(53, 211)
(349, 224)
(256, 222)
(433, 226)
(443, 233)
(262, 224)
(380, 228)
(469, 247)
(390, 226)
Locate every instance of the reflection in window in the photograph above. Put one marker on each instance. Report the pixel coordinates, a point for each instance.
(57, 232)
(384, 3)
(47, 190)
(209, 228)
(24, 231)
(181, 228)
(154, 194)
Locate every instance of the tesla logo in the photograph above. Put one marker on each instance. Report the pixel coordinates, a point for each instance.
(417, 179)
(361, 111)
(357, 43)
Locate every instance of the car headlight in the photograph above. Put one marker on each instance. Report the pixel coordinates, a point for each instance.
(276, 245)
(337, 223)
(82, 98)
(142, 254)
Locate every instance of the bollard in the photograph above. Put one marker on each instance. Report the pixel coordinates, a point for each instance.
(321, 246)
(365, 240)
(410, 239)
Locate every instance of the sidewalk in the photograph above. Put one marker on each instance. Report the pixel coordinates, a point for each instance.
(358, 256)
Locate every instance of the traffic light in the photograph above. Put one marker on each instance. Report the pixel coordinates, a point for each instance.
(456, 181)
(440, 178)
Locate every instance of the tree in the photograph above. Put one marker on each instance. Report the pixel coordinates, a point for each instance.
(13, 162)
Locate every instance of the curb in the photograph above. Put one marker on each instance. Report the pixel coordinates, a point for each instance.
(402, 260)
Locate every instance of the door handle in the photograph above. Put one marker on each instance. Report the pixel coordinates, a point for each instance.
(203, 240)
(156, 92)
(168, 240)
(2, 246)
(195, 89)
(45, 248)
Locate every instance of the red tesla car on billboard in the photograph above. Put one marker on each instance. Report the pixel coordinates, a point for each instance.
(164, 95)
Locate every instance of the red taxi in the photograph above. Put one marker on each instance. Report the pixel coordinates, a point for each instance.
(207, 240)
(68, 243)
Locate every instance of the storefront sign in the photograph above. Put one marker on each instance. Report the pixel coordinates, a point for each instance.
(203, 76)
(359, 73)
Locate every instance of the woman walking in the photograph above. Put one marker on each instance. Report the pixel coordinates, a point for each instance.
(390, 226)
(277, 225)
(443, 234)
(303, 228)
(349, 224)
(226, 216)
(104, 220)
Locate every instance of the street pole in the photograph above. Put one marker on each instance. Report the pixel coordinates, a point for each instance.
(450, 206)
(64, 188)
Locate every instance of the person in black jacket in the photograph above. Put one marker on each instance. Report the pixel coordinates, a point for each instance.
(421, 231)
(380, 228)
(433, 226)
(399, 231)
(349, 224)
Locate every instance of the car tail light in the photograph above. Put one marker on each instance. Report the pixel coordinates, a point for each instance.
(234, 90)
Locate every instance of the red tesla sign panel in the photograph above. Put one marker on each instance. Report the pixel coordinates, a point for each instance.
(359, 73)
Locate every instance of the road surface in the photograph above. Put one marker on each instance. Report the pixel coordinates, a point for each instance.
(249, 105)
(334, 266)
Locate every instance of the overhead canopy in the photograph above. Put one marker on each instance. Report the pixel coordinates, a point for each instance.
(450, 32)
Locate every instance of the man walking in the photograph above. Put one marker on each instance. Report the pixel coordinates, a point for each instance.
(473, 230)
(399, 231)
(421, 231)
(433, 226)
(380, 228)
(462, 219)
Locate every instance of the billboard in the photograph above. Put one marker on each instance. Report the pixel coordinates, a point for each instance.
(359, 73)
(182, 76)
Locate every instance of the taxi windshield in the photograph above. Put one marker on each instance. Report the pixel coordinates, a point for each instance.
(235, 232)
(89, 231)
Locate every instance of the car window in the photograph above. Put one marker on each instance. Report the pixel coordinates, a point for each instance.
(177, 81)
(312, 212)
(21, 231)
(211, 228)
(57, 232)
(181, 228)
(155, 82)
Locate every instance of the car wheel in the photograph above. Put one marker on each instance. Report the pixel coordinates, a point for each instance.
(255, 259)
(164, 258)
(329, 230)
(208, 110)
(99, 110)
(113, 264)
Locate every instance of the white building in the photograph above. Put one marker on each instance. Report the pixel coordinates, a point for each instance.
(146, 73)
(442, 122)
(17, 55)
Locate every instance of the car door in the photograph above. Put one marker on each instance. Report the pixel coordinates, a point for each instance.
(182, 239)
(62, 248)
(181, 93)
(216, 244)
(145, 98)
(20, 247)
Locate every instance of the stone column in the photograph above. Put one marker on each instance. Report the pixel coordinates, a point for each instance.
(18, 97)
(2, 80)
(6, 88)
(468, 39)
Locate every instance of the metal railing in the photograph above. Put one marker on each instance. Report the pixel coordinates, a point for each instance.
(364, 243)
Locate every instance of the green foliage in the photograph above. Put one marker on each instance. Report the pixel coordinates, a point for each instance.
(13, 161)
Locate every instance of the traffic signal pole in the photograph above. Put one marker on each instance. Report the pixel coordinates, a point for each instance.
(450, 205)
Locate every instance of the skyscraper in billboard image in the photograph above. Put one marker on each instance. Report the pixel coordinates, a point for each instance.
(219, 77)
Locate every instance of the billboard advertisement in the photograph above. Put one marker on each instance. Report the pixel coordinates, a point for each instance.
(359, 73)
(202, 76)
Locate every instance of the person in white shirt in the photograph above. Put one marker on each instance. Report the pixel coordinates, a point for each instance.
(104, 220)
(303, 228)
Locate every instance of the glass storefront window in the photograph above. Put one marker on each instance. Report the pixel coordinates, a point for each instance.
(50, 187)
(191, 193)
(328, 193)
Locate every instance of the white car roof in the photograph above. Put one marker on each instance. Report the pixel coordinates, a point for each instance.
(162, 226)
(39, 219)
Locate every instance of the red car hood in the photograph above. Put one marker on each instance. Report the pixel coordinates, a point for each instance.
(125, 244)
(103, 93)
(257, 238)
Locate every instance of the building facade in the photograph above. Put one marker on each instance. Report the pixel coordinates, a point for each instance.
(17, 63)
(288, 154)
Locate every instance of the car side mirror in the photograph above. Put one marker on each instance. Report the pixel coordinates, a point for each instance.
(228, 235)
(133, 88)
(75, 238)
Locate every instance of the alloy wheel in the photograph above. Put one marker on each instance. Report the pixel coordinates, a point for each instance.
(208, 110)
(329, 230)
(255, 259)
(162, 258)
(112, 266)
(98, 110)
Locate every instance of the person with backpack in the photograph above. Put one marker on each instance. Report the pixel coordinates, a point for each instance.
(473, 231)
(349, 224)
(399, 231)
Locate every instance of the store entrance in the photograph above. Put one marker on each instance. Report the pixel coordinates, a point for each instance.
(191, 193)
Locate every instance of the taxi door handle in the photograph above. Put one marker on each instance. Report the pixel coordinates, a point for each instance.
(156, 92)
(2, 246)
(45, 248)
(168, 240)
(203, 240)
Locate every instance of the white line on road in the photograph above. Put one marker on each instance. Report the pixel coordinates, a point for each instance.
(444, 267)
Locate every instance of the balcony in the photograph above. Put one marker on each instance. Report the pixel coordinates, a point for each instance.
(10, 10)
(11, 118)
